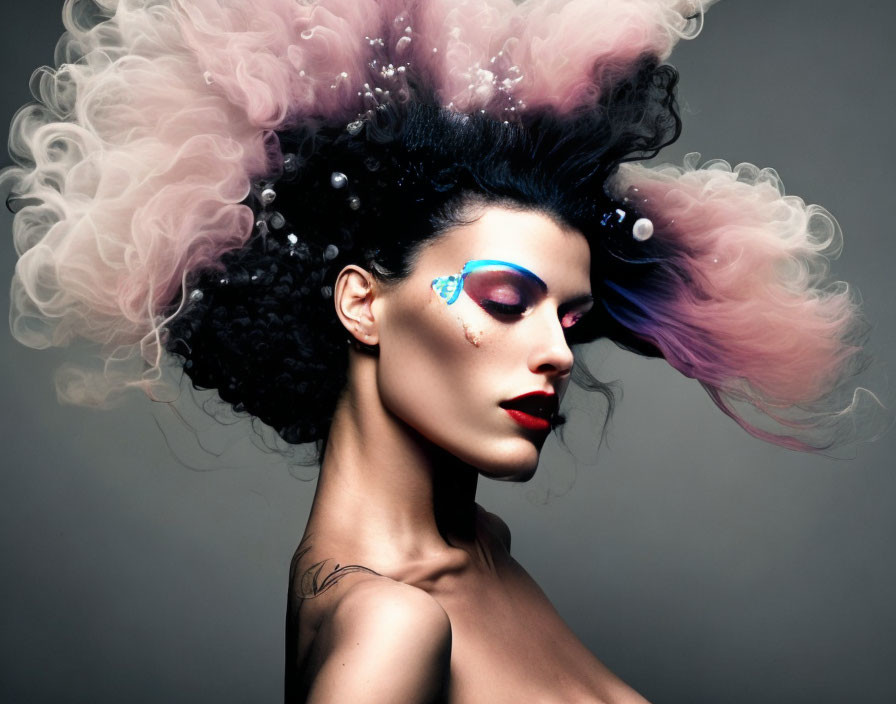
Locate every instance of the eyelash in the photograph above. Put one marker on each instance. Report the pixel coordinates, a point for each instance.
(505, 309)
(498, 308)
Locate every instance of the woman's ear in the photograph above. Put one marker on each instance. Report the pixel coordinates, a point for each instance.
(353, 295)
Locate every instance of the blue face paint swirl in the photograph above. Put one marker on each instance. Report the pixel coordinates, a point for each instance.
(450, 287)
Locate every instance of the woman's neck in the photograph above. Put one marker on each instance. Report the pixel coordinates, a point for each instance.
(385, 491)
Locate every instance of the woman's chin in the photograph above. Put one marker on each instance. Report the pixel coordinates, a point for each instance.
(519, 474)
(511, 458)
(516, 463)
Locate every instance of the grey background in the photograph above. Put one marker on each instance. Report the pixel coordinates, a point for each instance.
(698, 563)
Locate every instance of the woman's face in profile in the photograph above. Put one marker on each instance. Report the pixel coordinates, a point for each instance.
(481, 321)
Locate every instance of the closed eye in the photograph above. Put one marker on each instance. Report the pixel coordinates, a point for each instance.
(572, 312)
(502, 293)
(503, 309)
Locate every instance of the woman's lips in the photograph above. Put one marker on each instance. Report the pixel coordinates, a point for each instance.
(529, 421)
(533, 410)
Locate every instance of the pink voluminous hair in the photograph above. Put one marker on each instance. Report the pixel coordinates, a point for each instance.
(136, 160)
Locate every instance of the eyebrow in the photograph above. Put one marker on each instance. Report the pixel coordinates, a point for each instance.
(578, 301)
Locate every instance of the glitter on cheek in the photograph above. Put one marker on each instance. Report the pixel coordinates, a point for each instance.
(474, 338)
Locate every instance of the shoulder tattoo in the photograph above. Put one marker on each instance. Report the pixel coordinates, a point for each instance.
(320, 576)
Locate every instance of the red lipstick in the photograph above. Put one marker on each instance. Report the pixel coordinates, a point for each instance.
(533, 410)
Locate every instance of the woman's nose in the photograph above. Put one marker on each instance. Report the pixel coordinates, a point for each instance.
(550, 352)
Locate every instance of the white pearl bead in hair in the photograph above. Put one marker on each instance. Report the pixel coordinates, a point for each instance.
(642, 230)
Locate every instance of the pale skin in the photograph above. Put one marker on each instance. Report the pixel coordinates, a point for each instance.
(403, 589)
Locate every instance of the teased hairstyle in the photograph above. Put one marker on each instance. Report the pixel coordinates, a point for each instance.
(262, 329)
(174, 194)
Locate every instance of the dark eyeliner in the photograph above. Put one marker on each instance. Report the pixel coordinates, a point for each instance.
(502, 308)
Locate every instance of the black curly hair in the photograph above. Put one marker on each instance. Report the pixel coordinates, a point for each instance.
(262, 329)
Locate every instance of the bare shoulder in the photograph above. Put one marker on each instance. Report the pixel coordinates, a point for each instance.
(382, 641)
(495, 526)
(373, 603)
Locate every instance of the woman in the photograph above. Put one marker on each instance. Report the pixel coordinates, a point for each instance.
(429, 579)
(507, 209)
